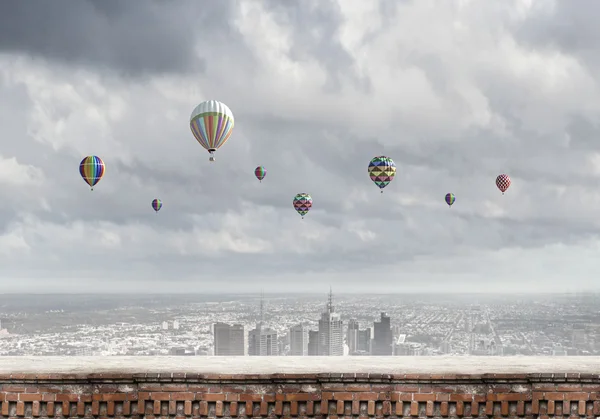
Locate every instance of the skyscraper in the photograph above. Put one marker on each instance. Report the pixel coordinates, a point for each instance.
(352, 336)
(331, 342)
(313, 343)
(359, 341)
(262, 341)
(229, 340)
(298, 340)
(382, 343)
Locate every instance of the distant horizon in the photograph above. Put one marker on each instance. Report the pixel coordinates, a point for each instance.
(257, 293)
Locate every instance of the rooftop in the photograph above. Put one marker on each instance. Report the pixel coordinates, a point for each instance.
(300, 365)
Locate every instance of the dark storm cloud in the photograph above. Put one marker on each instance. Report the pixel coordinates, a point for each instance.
(154, 36)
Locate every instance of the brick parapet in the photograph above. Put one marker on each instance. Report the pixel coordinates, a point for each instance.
(360, 395)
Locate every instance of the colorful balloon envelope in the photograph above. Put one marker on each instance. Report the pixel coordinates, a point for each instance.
(260, 173)
(382, 170)
(503, 182)
(91, 170)
(211, 123)
(450, 198)
(302, 203)
(156, 205)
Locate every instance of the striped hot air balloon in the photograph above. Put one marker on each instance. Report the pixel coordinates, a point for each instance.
(450, 198)
(91, 170)
(156, 205)
(260, 173)
(211, 123)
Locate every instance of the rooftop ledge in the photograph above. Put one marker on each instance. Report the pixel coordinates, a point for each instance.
(281, 366)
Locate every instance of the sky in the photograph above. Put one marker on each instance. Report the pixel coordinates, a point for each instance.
(455, 92)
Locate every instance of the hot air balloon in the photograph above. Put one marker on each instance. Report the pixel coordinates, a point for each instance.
(156, 205)
(503, 182)
(211, 123)
(260, 173)
(450, 198)
(302, 203)
(382, 170)
(91, 169)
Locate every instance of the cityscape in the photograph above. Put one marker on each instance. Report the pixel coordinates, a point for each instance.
(300, 325)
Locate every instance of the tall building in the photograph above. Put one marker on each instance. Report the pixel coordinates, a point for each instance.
(331, 341)
(382, 342)
(262, 341)
(298, 340)
(229, 340)
(365, 341)
(313, 343)
(352, 335)
(359, 341)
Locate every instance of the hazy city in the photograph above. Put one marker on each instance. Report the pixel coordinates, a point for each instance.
(349, 325)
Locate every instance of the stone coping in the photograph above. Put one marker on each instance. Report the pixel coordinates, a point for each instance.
(220, 368)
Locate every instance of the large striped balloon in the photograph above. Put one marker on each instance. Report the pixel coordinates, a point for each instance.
(211, 123)
(156, 205)
(91, 170)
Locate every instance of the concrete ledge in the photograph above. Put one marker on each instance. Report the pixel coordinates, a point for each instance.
(299, 387)
(300, 365)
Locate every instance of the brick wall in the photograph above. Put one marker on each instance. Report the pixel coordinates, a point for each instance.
(299, 395)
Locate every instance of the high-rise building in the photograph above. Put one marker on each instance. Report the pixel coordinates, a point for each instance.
(298, 340)
(382, 342)
(262, 341)
(313, 343)
(229, 340)
(359, 341)
(365, 341)
(352, 335)
(331, 341)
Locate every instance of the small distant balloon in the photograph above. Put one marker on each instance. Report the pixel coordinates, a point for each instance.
(260, 173)
(211, 123)
(503, 182)
(382, 170)
(450, 198)
(156, 205)
(302, 203)
(91, 170)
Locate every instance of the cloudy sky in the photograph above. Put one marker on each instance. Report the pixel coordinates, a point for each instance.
(456, 92)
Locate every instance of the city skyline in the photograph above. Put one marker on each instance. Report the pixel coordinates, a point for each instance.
(454, 92)
(409, 325)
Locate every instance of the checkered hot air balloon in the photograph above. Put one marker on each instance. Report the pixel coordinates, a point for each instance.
(302, 203)
(450, 198)
(156, 205)
(211, 123)
(260, 173)
(503, 182)
(91, 170)
(382, 170)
